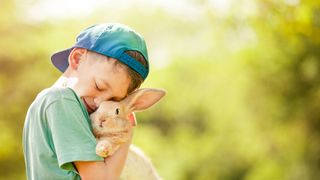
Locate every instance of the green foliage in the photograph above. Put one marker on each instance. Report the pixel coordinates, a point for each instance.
(243, 89)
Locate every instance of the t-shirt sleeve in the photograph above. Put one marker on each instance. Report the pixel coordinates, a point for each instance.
(72, 138)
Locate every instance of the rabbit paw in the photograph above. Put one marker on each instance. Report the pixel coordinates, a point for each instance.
(103, 148)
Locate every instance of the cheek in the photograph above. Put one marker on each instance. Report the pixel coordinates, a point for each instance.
(88, 89)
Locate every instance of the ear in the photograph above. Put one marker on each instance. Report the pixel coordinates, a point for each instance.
(75, 56)
(142, 99)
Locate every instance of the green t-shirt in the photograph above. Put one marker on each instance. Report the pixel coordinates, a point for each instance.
(57, 132)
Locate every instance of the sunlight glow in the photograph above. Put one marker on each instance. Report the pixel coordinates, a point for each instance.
(61, 9)
(47, 9)
(221, 6)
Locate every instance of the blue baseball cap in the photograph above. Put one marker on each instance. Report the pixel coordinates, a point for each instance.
(112, 40)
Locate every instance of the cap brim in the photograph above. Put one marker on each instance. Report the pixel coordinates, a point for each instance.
(60, 59)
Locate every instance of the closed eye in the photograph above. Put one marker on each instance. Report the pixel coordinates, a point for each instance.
(97, 87)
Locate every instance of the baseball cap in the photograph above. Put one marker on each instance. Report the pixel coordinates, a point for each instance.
(109, 39)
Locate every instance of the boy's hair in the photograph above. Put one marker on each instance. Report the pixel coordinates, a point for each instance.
(136, 79)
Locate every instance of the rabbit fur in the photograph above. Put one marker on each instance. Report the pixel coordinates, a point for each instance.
(110, 123)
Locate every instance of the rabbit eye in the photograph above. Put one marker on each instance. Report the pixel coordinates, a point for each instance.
(117, 111)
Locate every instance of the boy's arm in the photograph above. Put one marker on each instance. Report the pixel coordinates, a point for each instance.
(110, 168)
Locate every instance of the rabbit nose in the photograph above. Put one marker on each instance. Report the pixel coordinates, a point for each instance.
(101, 121)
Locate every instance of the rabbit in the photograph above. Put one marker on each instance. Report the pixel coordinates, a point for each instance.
(110, 123)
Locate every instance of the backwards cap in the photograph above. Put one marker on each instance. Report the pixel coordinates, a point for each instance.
(111, 40)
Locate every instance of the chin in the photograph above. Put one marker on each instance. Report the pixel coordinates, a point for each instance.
(89, 111)
(88, 108)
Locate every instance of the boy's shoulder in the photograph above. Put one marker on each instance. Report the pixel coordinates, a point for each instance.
(57, 93)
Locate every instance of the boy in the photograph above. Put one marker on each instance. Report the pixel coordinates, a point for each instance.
(107, 62)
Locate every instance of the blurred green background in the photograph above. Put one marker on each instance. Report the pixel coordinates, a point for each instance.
(242, 76)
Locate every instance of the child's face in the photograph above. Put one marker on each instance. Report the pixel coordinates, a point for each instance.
(99, 80)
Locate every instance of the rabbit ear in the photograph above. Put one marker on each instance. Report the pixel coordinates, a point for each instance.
(142, 99)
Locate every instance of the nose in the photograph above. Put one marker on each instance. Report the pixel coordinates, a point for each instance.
(97, 101)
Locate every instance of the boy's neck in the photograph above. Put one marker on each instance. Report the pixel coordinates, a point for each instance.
(66, 80)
